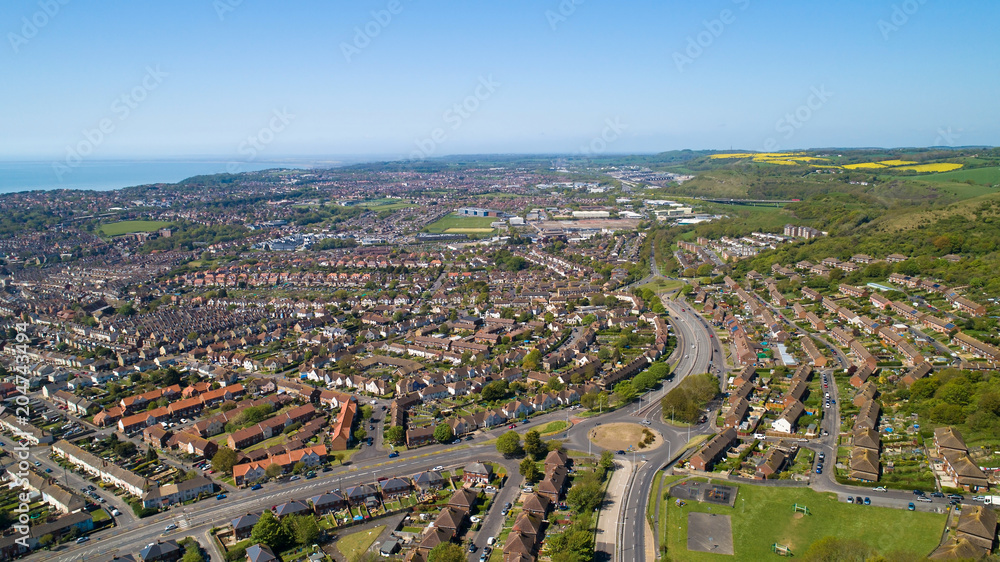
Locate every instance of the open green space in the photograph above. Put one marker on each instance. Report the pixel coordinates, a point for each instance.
(553, 427)
(457, 224)
(385, 204)
(661, 285)
(128, 227)
(354, 545)
(983, 176)
(764, 516)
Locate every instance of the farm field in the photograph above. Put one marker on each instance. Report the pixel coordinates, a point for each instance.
(455, 224)
(128, 227)
(984, 176)
(764, 516)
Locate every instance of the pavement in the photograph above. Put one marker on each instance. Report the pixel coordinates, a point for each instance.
(609, 521)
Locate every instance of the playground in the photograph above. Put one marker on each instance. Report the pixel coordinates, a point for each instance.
(768, 522)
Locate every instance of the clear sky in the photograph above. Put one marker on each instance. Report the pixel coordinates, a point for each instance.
(312, 78)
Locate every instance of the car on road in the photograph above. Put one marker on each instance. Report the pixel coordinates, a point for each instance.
(82, 540)
(220, 497)
(48, 470)
(620, 452)
(256, 487)
(956, 497)
(438, 467)
(879, 489)
(918, 492)
(170, 527)
(937, 495)
(472, 547)
(924, 499)
(511, 426)
(646, 422)
(911, 507)
(819, 470)
(393, 455)
(38, 463)
(115, 512)
(978, 498)
(294, 477)
(310, 475)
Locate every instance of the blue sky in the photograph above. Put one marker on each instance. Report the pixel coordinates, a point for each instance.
(272, 79)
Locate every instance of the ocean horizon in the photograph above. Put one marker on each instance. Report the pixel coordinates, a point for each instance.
(18, 176)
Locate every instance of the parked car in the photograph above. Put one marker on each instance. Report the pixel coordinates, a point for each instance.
(115, 512)
(924, 499)
(858, 500)
(393, 455)
(294, 477)
(220, 497)
(472, 547)
(490, 541)
(937, 495)
(170, 527)
(868, 500)
(82, 540)
(850, 499)
(256, 487)
(911, 507)
(879, 489)
(438, 467)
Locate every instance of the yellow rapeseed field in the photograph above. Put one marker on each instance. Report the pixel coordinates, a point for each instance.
(941, 167)
(864, 165)
(897, 162)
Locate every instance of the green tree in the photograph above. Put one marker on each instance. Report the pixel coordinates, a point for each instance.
(224, 460)
(273, 470)
(529, 469)
(625, 392)
(360, 434)
(446, 552)
(395, 435)
(509, 444)
(532, 360)
(585, 497)
(534, 446)
(298, 467)
(268, 530)
(443, 433)
(300, 529)
(496, 390)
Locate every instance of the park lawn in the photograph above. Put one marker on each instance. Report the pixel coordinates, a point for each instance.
(764, 516)
(127, 227)
(453, 221)
(356, 544)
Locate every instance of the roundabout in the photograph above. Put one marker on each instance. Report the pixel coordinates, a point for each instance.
(625, 437)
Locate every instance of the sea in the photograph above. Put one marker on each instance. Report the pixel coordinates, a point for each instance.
(107, 175)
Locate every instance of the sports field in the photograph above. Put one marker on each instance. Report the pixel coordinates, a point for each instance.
(127, 227)
(455, 224)
(763, 516)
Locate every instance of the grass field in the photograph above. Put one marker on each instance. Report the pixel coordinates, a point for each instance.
(763, 516)
(553, 427)
(984, 176)
(663, 285)
(354, 545)
(622, 436)
(384, 205)
(127, 227)
(462, 225)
